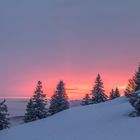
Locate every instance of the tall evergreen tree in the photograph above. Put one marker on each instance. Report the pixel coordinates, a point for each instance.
(133, 84)
(98, 91)
(4, 121)
(137, 79)
(36, 107)
(134, 95)
(86, 100)
(59, 100)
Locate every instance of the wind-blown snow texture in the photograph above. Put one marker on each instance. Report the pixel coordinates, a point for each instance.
(104, 121)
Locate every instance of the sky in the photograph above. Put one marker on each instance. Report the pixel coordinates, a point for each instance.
(69, 40)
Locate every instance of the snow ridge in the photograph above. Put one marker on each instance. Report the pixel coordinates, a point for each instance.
(107, 120)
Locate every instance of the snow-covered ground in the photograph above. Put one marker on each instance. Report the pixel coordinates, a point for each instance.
(105, 121)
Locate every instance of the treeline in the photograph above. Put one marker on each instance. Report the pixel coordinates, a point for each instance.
(98, 93)
(132, 92)
(37, 106)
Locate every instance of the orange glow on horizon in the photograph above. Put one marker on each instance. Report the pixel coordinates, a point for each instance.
(76, 87)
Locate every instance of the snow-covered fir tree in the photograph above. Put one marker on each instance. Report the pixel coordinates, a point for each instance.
(86, 100)
(133, 84)
(36, 107)
(114, 94)
(59, 100)
(137, 79)
(98, 91)
(4, 121)
(135, 102)
(134, 95)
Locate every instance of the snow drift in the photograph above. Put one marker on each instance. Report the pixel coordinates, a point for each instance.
(104, 121)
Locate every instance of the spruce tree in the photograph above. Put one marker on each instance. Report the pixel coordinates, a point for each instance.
(59, 100)
(137, 79)
(4, 121)
(36, 107)
(117, 93)
(134, 94)
(133, 84)
(111, 94)
(86, 100)
(98, 91)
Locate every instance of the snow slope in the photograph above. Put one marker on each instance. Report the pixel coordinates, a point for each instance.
(105, 121)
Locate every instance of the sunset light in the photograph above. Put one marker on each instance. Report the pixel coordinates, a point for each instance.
(69, 69)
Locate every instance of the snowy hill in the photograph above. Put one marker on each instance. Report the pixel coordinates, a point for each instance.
(105, 121)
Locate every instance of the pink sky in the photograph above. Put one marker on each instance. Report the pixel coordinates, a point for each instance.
(71, 41)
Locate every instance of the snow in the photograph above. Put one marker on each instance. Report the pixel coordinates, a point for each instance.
(138, 93)
(14, 121)
(104, 121)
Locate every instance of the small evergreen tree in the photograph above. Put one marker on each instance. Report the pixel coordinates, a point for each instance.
(117, 93)
(114, 94)
(86, 100)
(36, 107)
(98, 91)
(111, 94)
(59, 100)
(4, 121)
